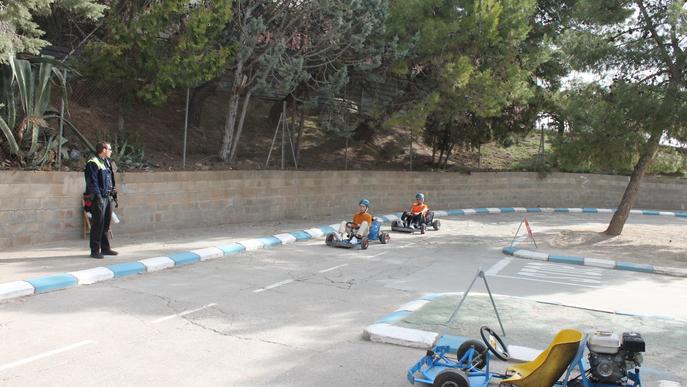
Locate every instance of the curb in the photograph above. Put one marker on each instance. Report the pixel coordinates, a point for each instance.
(596, 262)
(61, 281)
(383, 331)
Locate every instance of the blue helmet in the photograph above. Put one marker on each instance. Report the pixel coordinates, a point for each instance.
(420, 195)
(365, 203)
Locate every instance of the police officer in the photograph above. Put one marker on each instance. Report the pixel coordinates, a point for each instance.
(100, 184)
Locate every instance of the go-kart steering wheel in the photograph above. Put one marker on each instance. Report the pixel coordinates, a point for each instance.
(494, 343)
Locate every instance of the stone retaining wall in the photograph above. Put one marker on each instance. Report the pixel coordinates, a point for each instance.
(45, 206)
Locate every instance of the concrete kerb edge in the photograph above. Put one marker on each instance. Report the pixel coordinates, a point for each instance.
(594, 262)
(383, 330)
(61, 281)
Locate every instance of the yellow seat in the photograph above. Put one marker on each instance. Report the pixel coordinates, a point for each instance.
(549, 366)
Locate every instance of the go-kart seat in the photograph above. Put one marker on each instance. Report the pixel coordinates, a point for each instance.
(550, 365)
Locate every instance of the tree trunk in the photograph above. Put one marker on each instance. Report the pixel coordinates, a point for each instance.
(448, 155)
(232, 111)
(239, 129)
(229, 126)
(434, 152)
(441, 155)
(300, 135)
(632, 190)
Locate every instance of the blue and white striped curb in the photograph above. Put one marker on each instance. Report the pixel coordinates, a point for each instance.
(596, 262)
(86, 277)
(383, 331)
(61, 281)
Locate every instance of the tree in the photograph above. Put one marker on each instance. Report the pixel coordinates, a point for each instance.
(636, 48)
(148, 49)
(466, 65)
(284, 44)
(19, 33)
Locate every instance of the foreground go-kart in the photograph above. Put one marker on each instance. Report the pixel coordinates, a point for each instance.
(613, 360)
(337, 239)
(405, 225)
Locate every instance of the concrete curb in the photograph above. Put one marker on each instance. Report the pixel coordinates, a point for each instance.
(61, 281)
(596, 262)
(415, 338)
(383, 331)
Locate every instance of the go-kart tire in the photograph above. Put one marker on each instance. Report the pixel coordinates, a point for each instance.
(575, 383)
(436, 224)
(395, 223)
(479, 347)
(384, 237)
(364, 243)
(423, 228)
(330, 239)
(451, 378)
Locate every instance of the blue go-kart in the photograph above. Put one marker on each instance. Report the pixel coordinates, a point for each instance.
(337, 239)
(611, 362)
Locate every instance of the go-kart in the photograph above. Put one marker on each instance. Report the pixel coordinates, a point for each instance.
(338, 239)
(607, 361)
(408, 226)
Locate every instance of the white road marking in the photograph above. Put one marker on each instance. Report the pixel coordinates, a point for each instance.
(184, 313)
(46, 354)
(268, 287)
(559, 277)
(333, 268)
(539, 280)
(561, 272)
(498, 266)
(378, 255)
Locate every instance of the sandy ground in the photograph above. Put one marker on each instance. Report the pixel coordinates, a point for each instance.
(645, 239)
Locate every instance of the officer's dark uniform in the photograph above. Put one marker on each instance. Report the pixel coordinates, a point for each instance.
(100, 184)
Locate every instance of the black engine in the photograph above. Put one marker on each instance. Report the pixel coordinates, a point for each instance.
(611, 356)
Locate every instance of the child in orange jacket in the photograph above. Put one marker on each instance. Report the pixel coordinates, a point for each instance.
(360, 225)
(418, 212)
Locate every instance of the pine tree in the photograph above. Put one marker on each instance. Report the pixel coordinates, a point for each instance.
(19, 33)
(636, 48)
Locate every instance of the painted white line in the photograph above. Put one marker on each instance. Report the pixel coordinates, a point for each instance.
(378, 255)
(45, 354)
(560, 277)
(268, 287)
(333, 268)
(498, 266)
(539, 280)
(576, 269)
(563, 270)
(184, 313)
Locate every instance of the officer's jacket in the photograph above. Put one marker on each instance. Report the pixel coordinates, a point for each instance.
(99, 179)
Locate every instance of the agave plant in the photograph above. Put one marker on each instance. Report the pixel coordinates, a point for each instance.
(22, 116)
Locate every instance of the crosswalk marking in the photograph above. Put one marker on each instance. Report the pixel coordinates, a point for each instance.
(573, 274)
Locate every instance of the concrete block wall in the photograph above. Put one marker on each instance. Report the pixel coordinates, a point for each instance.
(45, 206)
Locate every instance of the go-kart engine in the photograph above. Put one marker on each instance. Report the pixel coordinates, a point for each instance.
(611, 355)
